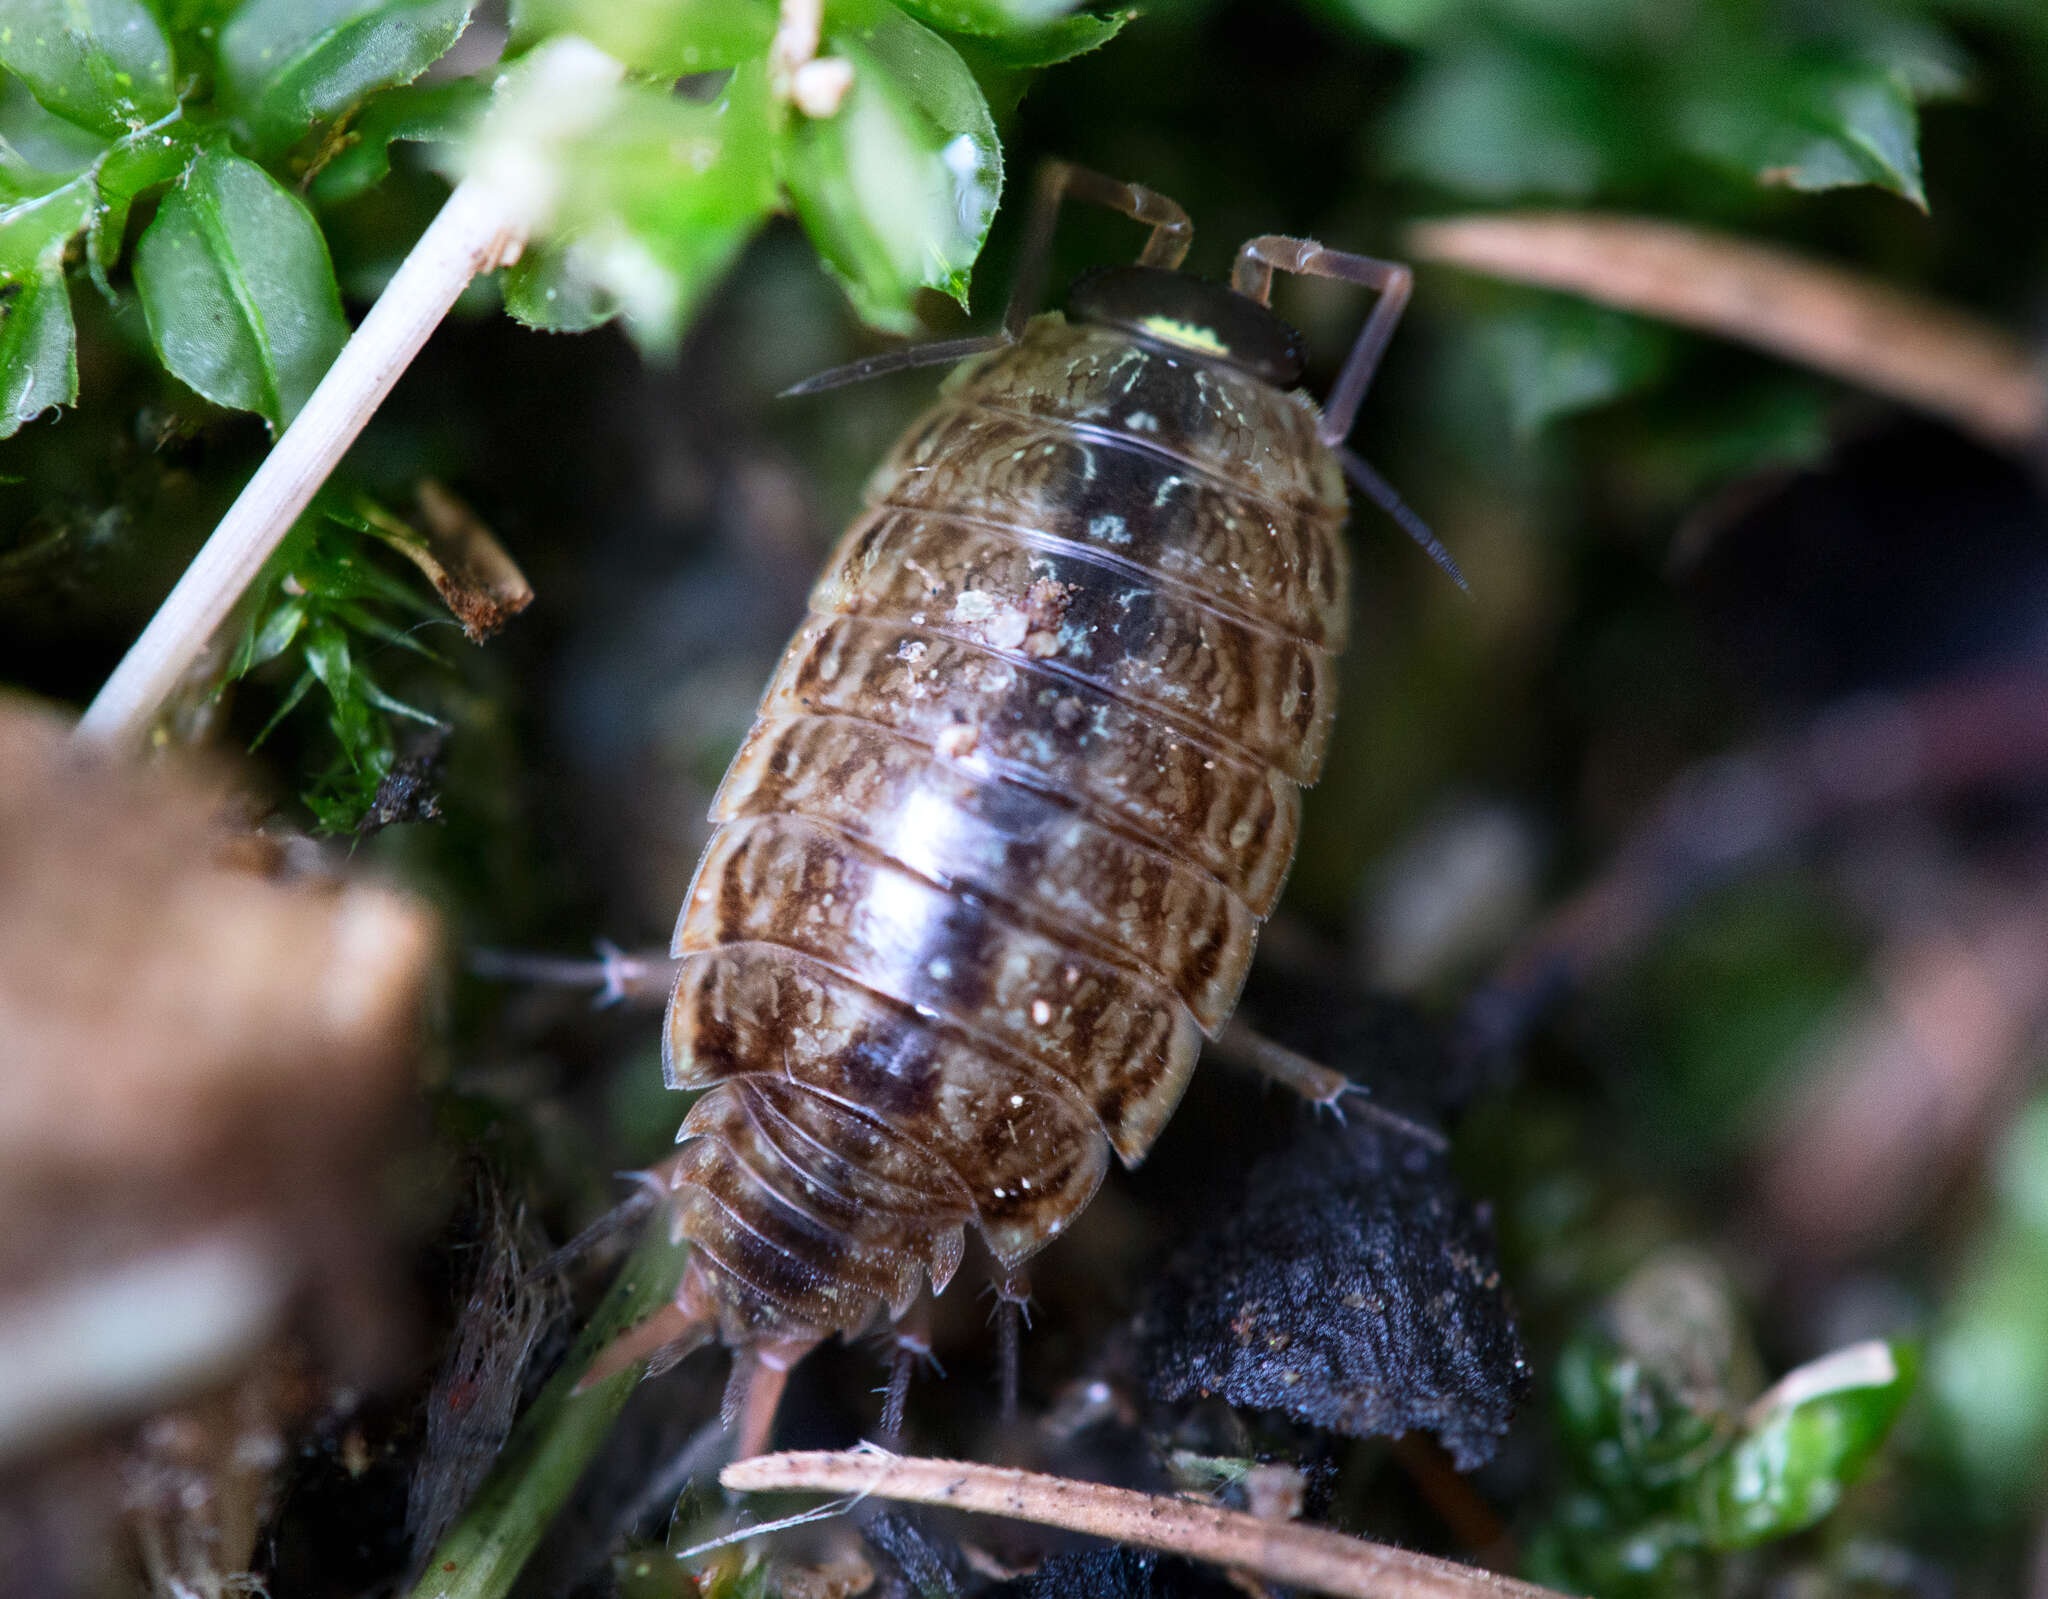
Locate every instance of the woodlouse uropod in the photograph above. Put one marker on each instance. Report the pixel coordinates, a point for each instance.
(993, 857)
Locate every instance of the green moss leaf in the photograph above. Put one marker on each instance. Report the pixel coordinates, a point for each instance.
(332, 663)
(1633, 1431)
(238, 290)
(38, 354)
(1804, 1443)
(272, 638)
(131, 167)
(35, 228)
(898, 188)
(559, 287)
(38, 150)
(286, 64)
(1410, 21)
(658, 200)
(1924, 59)
(1811, 125)
(1987, 1374)
(56, 180)
(102, 64)
(1987, 1365)
(1039, 47)
(417, 113)
(666, 38)
(992, 18)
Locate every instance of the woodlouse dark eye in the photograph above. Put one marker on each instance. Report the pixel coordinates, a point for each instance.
(1190, 313)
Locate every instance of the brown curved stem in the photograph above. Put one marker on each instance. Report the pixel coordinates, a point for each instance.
(1287, 1552)
(1865, 332)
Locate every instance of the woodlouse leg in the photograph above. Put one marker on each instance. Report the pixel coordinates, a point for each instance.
(1167, 246)
(624, 1214)
(667, 1336)
(620, 976)
(1322, 1086)
(754, 1391)
(1012, 1314)
(913, 1348)
(1252, 276)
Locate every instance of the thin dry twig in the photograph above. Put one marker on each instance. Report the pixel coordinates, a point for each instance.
(1867, 333)
(1287, 1552)
(471, 234)
(483, 225)
(459, 555)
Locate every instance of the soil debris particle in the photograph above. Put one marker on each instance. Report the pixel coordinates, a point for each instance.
(1118, 1573)
(1354, 1287)
(910, 1562)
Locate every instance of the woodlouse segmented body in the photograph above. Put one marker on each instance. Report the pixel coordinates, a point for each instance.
(993, 856)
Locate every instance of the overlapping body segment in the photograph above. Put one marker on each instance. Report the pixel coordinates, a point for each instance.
(994, 855)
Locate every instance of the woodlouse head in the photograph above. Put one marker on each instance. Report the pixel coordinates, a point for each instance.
(1181, 312)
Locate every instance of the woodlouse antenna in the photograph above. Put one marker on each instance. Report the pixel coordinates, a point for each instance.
(1382, 493)
(942, 352)
(1252, 276)
(1166, 246)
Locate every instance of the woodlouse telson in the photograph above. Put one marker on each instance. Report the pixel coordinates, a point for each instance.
(993, 857)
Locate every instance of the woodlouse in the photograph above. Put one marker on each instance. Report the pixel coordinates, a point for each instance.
(992, 859)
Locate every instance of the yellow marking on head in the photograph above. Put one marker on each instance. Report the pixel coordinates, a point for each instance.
(1191, 334)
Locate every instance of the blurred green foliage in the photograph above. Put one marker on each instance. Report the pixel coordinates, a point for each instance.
(193, 160)
(1727, 106)
(1674, 1466)
(899, 187)
(633, 239)
(234, 133)
(1987, 1362)
(323, 600)
(1589, 97)
(1780, 967)
(183, 183)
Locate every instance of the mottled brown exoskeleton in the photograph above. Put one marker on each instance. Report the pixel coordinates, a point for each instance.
(992, 860)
